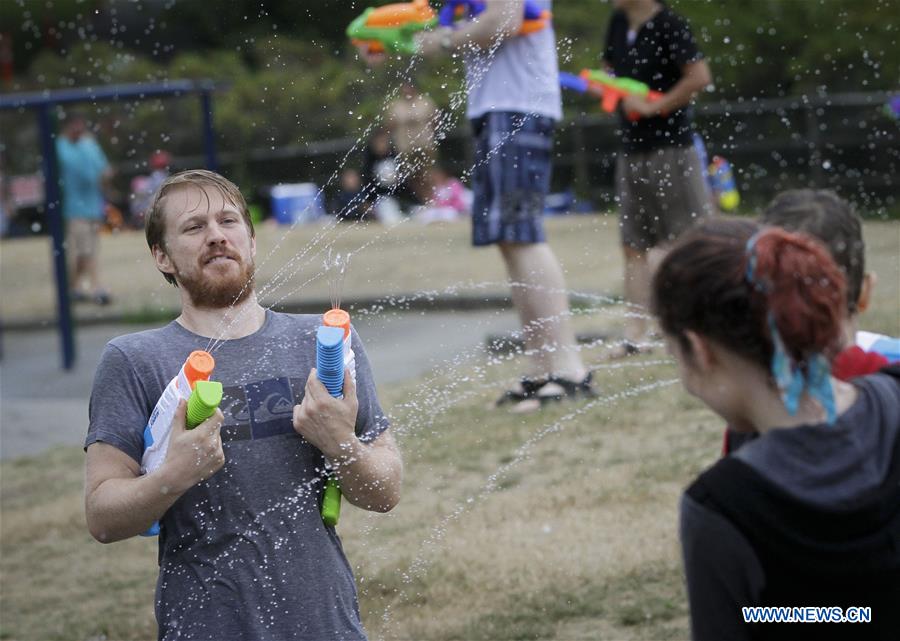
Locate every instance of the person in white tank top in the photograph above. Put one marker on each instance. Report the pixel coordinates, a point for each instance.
(512, 82)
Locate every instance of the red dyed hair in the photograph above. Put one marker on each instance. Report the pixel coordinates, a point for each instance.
(805, 291)
(703, 286)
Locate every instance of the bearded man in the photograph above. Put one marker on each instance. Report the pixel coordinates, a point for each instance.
(243, 550)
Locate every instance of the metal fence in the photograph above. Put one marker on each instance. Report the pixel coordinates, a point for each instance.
(845, 142)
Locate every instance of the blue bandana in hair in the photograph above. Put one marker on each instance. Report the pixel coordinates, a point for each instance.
(788, 374)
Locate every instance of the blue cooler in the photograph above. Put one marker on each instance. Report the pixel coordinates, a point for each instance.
(296, 203)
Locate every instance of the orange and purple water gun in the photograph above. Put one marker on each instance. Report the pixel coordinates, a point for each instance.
(534, 18)
(392, 28)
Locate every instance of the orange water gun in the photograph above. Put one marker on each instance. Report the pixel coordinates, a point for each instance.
(392, 28)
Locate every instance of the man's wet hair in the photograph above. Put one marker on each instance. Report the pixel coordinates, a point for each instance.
(155, 224)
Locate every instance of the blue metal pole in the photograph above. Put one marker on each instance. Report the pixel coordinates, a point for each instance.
(55, 222)
(209, 132)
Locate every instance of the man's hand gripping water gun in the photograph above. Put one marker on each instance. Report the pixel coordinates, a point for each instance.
(190, 400)
(637, 98)
(329, 424)
(195, 445)
(327, 416)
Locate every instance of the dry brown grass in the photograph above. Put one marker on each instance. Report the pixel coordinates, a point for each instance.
(574, 538)
(401, 260)
(559, 525)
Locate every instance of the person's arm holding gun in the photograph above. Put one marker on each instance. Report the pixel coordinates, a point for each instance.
(120, 503)
(695, 77)
(370, 474)
(501, 19)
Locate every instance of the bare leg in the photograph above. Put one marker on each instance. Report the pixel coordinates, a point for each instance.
(90, 267)
(637, 293)
(654, 258)
(543, 307)
(79, 275)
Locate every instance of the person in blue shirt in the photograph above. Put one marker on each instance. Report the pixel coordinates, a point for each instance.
(83, 170)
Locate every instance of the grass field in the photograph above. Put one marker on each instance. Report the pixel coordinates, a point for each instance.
(559, 525)
(405, 259)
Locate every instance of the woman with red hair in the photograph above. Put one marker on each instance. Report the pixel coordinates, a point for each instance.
(808, 514)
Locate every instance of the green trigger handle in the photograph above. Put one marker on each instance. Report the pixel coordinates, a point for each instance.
(331, 502)
(204, 399)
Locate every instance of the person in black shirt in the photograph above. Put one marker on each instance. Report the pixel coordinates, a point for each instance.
(659, 179)
(349, 203)
(807, 515)
(383, 177)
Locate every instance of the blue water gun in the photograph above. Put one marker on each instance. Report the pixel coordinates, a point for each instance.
(533, 20)
(330, 370)
(573, 82)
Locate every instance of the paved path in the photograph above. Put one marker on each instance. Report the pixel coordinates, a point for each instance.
(42, 406)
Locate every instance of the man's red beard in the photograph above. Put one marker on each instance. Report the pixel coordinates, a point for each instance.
(216, 292)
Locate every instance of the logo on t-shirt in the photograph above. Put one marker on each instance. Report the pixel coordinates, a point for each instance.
(275, 406)
(258, 410)
(268, 408)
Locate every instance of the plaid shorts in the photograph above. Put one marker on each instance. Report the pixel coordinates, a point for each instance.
(511, 177)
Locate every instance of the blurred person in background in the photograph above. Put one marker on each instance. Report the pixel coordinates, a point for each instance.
(660, 182)
(513, 94)
(450, 200)
(349, 203)
(382, 177)
(411, 120)
(143, 187)
(84, 172)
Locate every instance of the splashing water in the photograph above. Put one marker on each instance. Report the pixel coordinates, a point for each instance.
(433, 396)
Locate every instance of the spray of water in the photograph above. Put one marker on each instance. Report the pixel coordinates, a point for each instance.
(433, 396)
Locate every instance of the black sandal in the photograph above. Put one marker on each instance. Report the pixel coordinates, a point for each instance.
(629, 348)
(530, 388)
(531, 399)
(571, 389)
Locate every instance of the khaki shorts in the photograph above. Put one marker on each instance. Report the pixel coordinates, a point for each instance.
(661, 194)
(82, 237)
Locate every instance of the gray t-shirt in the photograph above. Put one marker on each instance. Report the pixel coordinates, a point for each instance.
(243, 555)
(521, 76)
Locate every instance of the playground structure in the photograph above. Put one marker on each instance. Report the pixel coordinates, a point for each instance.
(771, 143)
(43, 102)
